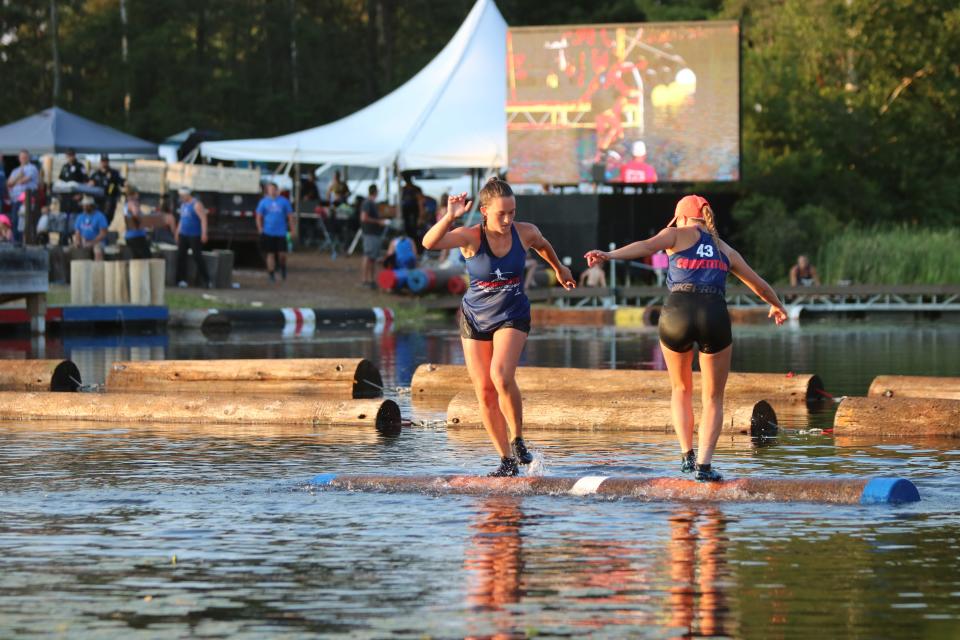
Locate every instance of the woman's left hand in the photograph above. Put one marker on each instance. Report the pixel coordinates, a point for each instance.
(565, 278)
(779, 315)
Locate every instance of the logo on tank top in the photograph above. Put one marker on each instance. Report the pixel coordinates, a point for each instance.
(500, 281)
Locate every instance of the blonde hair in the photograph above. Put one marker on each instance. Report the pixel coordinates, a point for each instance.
(494, 188)
(710, 223)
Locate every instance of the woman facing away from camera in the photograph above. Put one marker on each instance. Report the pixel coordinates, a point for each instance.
(696, 312)
(495, 312)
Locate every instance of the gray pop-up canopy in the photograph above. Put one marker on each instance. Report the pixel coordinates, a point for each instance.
(55, 130)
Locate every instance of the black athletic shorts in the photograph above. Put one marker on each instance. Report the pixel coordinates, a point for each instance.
(273, 244)
(468, 331)
(695, 317)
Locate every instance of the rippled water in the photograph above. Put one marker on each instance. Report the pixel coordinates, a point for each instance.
(170, 532)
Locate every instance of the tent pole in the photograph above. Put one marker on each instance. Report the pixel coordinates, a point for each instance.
(296, 199)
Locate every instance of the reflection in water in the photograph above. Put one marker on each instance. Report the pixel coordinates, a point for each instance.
(495, 562)
(697, 565)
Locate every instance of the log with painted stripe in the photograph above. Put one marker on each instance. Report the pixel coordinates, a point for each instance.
(751, 489)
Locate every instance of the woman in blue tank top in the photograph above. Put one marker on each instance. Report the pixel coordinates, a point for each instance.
(696, 312)
(495, 314)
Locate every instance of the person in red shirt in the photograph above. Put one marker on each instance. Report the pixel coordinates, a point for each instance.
(637, 170)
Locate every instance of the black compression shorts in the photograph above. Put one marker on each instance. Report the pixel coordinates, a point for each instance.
(695, 317)
(273, 244)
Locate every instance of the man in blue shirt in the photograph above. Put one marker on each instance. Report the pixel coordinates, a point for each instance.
(274, 218)
(22, 181)
(90, 228)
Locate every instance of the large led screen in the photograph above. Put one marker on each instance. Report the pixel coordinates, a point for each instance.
(635, 103)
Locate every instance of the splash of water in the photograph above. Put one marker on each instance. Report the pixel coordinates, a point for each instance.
(539, 466)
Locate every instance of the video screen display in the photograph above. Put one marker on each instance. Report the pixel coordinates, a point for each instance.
(624, 104)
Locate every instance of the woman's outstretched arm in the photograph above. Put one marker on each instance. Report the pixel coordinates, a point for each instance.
(749, 277)
(639, 249)
(440, 236)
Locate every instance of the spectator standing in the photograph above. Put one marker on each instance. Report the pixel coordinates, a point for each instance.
(108, 179)
(804, 274)
(90, 228)
(372, 226)
(274, 218)
(22, 180)
(411, 205)
(71, 171)
(637, 171)
(136, 235)
(338, 191)
(191, 235)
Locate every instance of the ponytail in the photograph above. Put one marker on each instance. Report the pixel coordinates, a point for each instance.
(494, 188)
(710, 223)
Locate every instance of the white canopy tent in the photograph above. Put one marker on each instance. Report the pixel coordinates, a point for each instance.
(450, 114)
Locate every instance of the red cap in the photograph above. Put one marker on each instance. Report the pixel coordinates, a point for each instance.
(689, 207)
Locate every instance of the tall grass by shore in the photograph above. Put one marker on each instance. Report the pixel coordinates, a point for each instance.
(897, 255)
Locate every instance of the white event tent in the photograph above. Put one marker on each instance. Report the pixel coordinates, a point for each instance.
(450, 114)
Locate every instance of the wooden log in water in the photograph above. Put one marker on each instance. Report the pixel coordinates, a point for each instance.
(39, 375)
(614, 413)
(897, 417)
(127, 408)
(344, 378)
(448, 380)
(915, 387)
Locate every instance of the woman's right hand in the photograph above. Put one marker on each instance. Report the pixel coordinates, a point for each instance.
(458, 205)
(595, 256)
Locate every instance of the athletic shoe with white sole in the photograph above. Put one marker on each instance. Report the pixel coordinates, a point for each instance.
(688, 463)
(706, 474)
(520, 451)
(507, 469)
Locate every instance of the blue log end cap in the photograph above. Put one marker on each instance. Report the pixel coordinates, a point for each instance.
(889, 491)
(323, 479)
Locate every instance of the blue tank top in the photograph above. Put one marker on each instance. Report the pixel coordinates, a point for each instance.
(496, 285)
(131, 232)
(189, 220)
(405, 254)
(702, 265)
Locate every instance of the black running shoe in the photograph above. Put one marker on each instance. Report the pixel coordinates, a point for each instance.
(706, 474)
(507, 469)
(520, 451)
(688, 463)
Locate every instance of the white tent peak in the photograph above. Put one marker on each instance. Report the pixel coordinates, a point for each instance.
(450, 114)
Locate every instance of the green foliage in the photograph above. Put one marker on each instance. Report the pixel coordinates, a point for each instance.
(899, 255)
(770, 237)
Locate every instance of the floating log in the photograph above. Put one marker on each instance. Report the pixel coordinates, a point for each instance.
(448, 380)
(127, 408)
(346, 378)
(915, 387)
(40, 375)
(897, 417)
(831, 491)
(614, 412)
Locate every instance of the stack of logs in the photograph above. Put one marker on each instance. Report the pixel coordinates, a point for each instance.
(139, 282)
(239, 392)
